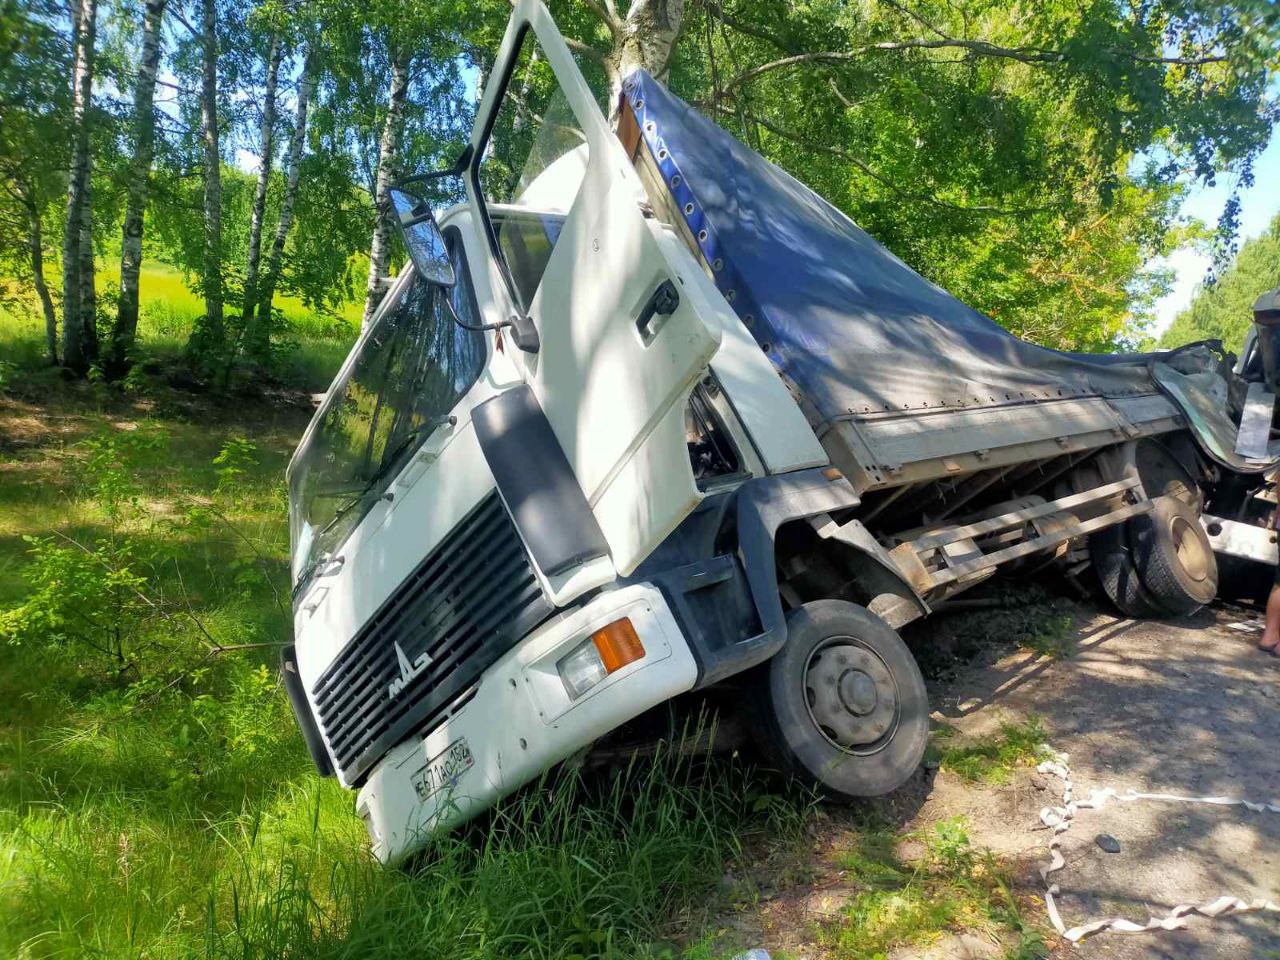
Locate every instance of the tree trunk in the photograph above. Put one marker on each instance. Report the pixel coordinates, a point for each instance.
(259, 335)
(265, 153)
(88, 273)
(144, 130)
(644, 40)
(211, 334)
(77, 349)
(36, 240)
(388, 148)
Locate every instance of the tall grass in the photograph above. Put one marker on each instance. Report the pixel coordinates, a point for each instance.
(140, 818)
(168, 309)
(567, 869)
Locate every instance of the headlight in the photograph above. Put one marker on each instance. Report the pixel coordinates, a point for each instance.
(607, 650)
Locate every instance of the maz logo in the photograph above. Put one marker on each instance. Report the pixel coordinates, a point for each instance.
(408, 671)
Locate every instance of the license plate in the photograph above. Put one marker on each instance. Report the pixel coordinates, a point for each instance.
(445, 770)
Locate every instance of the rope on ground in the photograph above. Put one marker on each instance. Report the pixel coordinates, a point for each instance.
(1058, 820)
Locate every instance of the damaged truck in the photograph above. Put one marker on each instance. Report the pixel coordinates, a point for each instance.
(645, 415)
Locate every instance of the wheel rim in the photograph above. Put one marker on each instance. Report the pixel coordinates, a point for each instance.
(1189, 549)
(852, 695)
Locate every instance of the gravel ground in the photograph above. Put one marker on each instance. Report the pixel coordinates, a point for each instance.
(1187, 707)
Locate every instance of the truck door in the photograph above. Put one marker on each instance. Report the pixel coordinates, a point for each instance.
(565, 216)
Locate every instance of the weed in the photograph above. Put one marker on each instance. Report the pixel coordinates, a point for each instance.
(1054, 636)
(953, 888)
(990, 759)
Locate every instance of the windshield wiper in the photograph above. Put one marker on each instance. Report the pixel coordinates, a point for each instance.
(391, 459)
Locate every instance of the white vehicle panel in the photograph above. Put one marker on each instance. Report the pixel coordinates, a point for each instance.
(770, 415)
(521, 722)
(607, 390)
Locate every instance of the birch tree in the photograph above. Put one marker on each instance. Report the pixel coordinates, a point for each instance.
(258, 333)
(139, 173)
(266, 153)
(79, 338)
(210, 336)
(35, 107)
(388, 151)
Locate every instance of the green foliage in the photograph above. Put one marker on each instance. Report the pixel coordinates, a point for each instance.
(994, 147)
(1223, 311)
(94, 594)
(233, 463)
(990, 759)
(952, 888)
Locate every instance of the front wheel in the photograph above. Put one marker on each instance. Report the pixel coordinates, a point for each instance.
(845, 708)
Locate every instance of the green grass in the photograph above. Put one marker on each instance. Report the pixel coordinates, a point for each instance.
(989, 759)
(172, 811)
(168, 309)
(161, 804)
(952, 888)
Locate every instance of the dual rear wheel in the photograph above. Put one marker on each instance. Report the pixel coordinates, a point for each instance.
(1157, 565)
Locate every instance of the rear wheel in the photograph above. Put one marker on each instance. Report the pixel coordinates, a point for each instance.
(1113, 561)
(845, 708)
(1173, 556)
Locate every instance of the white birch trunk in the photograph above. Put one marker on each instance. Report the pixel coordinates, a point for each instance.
(77, 351)
(388, 150)
(211, 331)
(266, 151)
(259, 335)
(643, 39)
(88, 274)
(144, 129)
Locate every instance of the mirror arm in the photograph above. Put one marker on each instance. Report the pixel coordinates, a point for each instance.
(459, 166)
(522, 330)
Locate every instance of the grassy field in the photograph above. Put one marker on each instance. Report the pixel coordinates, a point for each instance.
(157, 801)
(167, 310)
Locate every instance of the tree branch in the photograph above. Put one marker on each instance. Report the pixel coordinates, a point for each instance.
(590, 52)
(981, 48)
(609, 17)
(178, 15)
(901, 8)
(747, 29)
(862, 165)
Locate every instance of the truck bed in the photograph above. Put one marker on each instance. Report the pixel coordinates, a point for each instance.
(900, 380)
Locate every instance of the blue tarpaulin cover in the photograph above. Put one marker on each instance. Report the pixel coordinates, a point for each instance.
(851, 327)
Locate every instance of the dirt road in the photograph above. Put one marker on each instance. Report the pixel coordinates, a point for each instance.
(1185, 707)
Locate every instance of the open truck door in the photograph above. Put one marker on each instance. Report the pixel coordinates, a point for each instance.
(619, 342)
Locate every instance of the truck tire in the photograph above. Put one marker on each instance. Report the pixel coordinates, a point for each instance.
(1173, 556)
(844, 705)
(1112, 559)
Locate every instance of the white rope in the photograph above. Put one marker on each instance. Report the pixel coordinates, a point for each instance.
(1058, 819)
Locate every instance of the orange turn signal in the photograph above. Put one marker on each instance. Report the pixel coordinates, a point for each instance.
(617, 645)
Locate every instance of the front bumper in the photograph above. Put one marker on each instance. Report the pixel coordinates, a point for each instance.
(520, 722)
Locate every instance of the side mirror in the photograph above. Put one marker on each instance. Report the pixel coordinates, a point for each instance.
(421, 235)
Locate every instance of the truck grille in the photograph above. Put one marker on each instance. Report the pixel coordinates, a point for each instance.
(463, 606)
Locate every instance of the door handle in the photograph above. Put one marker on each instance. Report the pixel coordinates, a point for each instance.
(662, 302)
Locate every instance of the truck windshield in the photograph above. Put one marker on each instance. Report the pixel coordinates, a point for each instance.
(411, 369)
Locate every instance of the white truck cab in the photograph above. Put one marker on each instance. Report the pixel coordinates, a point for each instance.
(645, 413)
(443, 620)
